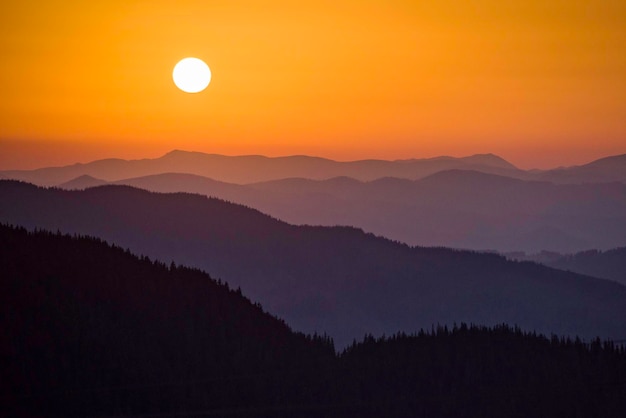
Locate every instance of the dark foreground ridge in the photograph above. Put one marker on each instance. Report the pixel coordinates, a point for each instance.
(91, 330)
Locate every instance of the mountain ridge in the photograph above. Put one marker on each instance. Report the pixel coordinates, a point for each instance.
(338, 280)
(246, 169)
(256, 168)
(608, 264)
(452, 208)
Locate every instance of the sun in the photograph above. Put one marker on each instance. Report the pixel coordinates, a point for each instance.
(191, 75)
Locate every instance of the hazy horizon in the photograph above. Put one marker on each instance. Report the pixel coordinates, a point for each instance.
(32, 155)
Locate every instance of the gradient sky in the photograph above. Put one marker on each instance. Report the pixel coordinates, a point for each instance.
(541, 83)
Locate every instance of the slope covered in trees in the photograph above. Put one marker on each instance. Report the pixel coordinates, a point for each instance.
(337, 280)
(92, 330)
(485, 372)
(87, 326)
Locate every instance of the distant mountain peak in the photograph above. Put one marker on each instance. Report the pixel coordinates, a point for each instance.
(183, 153)
(180, 151)
(82, 182)
(86, 177)
(490, 159)
(614, 160)
(604, 170)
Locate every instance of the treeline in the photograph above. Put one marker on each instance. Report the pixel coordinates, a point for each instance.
(480, 371)
(91, 330)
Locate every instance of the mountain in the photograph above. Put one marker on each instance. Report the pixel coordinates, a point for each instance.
(256, 168)
(190, 183)
(610, 264)
(82, 182)
(91, 330)
(338, 280)
(604, 170)
(453, 208)
(499, 372)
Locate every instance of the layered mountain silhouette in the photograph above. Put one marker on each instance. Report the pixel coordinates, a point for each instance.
(610, 264)
(338, 280)
(600, 171)
(82, 182)
(453, 208)
(90, 329)
(256, 168)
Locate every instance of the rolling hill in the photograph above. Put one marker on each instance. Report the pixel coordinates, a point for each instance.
(609, 264)
(604, 170)
(90, 329)
(338, 280)
(454, 208)
(256, 168)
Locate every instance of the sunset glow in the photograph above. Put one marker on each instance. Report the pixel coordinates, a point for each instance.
(540, 83)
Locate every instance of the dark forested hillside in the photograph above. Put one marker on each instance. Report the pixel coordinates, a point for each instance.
(92, 330)
(337, 280)
(485, 372)
(87, 326)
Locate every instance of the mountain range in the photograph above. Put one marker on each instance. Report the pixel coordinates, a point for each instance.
(338, 280)
(480, 202)
(452, 208)
(90, 329)
(256, 168)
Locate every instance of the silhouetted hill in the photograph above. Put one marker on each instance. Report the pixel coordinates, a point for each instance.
(490, 160)
(256, 168)
(337, 280)
(610, 264)
(461, 179)
(82, 182)
(89, 329)
(454, 208)
(604, 170)
(473, 371)
(498, 212)
(92, 330)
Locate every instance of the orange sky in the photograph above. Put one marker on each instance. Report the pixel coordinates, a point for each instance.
(539, 84)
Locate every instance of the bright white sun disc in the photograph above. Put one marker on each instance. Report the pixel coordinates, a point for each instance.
(191, 75)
